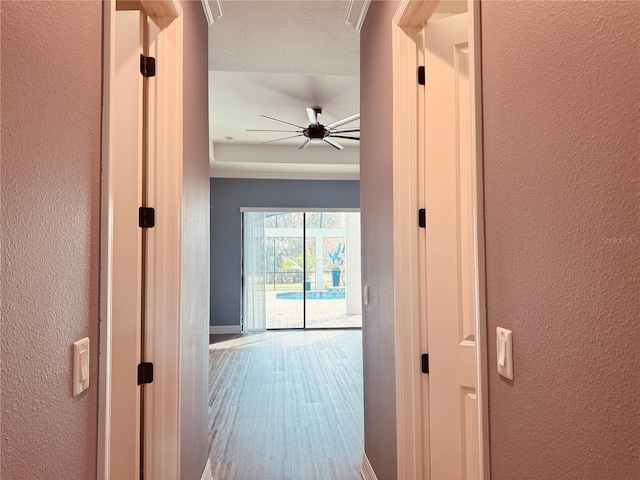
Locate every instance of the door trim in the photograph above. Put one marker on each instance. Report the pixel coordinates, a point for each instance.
(162, 420)
(411, 445)
(410, 301)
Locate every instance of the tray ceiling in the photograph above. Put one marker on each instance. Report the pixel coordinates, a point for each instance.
(276, 58)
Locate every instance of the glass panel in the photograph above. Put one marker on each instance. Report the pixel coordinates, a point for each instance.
(270, 220)
(253, 262)
(284, 270)
(332, 220)
(326, 305)
(313, 263)
(321, 288)
(314, 219)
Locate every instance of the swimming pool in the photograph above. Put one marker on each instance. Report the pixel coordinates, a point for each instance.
(333, 294)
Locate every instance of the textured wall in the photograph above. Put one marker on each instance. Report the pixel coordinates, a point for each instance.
(376, 199)
(562, 178)
(194, 386)
(51, 111)
(227, 196)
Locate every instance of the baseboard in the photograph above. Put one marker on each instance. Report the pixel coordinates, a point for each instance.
(207, 474)
(366, 472)
(224, 329)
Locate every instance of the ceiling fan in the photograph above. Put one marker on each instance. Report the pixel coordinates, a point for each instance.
(316, 132)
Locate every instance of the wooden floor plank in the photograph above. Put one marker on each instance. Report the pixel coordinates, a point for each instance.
(286, 405)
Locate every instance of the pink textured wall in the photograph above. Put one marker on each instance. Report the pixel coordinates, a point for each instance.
(562, 178)
(50, 180)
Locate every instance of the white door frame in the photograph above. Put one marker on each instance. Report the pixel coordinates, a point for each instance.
(162, 416)
(410, 300)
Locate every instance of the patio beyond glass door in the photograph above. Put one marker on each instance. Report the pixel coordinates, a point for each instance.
(284, 261)
(325, 305)
(311, 270)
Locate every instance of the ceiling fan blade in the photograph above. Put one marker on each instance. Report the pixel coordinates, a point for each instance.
(313, 116)
(344, 136)
(332, 143)
(284, 131)
(282, 121)
(346, 130)
(305, 144)
(284, 138)
(344, 120)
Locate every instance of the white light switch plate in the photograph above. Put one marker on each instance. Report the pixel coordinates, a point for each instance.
(504, 346)
(80, 366)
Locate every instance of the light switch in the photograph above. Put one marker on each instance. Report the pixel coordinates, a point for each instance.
(80, 366)
(84, 366)
(504, 345)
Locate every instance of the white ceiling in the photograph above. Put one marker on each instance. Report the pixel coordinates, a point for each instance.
(276, 58)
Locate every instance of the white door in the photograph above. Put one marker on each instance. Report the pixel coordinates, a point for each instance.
(450, 258)
(127, 247)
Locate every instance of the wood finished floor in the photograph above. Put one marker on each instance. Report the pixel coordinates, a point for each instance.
(286, 405)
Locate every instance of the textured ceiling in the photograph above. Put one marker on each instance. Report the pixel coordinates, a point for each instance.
(276, 58)
(284, 37)
(237, 99)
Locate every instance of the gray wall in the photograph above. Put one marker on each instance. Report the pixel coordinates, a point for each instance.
(227, 196)
(50, 224)
(376, 198)
(194, 447)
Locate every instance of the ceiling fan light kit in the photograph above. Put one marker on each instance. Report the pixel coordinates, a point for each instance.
(316, 132)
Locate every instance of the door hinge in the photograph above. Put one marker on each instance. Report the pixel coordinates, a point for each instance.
(145, 373)
(422, 218)
(146, 217)
(425, 363)
(147, 66)
(421, 76)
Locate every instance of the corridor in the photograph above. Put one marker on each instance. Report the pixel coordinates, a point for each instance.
(286, 405)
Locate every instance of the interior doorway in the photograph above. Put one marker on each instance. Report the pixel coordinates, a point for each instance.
(444, 299)
(124, 417)
(301, 270)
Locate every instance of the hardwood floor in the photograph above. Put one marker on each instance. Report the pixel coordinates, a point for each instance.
(286, 405)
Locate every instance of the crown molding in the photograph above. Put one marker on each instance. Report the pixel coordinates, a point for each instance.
(214, 13)
(356, 13)
(162, 8)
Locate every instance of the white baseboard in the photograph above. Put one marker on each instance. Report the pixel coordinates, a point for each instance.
(366, 472)
(207, 474)
(225, 329)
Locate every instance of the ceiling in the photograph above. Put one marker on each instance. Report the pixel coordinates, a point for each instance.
(277, 58)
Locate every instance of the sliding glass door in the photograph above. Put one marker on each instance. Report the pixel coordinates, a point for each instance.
(309, 269)
(284, 236)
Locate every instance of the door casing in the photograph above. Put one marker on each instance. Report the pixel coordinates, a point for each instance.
(408, 149)
(163, 268)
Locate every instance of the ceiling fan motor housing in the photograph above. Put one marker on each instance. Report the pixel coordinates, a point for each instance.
(315, 131)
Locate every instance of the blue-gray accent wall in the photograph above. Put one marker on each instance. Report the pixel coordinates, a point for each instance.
(228, 195)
